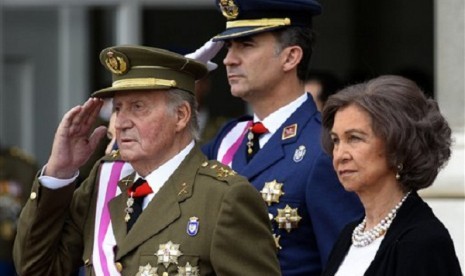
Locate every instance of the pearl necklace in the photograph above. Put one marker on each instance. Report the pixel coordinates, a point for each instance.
(361, 238)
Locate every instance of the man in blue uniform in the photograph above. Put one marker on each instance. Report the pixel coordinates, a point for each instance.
(269, 45)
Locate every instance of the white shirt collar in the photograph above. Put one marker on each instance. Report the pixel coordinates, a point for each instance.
(158, 177)
(275, 120)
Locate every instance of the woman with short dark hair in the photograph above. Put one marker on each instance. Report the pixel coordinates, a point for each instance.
(387, 141)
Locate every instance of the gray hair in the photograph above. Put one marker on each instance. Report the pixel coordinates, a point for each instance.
(416, 134)
(176, 97)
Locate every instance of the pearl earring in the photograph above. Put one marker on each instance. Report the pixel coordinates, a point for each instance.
(399, 168)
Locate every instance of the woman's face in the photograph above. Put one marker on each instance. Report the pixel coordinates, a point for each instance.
(359, 156)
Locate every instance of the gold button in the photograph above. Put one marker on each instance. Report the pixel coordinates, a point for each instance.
(204, 164)
(86, 262)
(119, 266)
(33, 195)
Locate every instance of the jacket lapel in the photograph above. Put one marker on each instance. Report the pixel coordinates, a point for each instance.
(117, 206)
(265, 158)
(162, 210)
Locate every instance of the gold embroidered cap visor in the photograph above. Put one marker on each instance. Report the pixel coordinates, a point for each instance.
(250, 17)
(241, 28)
(147, 68)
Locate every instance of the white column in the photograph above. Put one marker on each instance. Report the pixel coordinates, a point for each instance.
(450, 91)
(128, 23)
(73, 75)
(450, 60)
(447, 195)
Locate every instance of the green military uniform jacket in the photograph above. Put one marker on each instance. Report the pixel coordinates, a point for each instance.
(56, 228)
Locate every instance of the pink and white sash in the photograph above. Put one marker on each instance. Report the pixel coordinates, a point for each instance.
(104, 238)
(231, 142)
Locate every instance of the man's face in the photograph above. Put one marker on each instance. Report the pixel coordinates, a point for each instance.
(253, 65)
(145, 128)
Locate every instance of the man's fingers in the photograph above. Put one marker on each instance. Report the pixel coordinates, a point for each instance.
(81, 118)
(97, 136)
(93, 110)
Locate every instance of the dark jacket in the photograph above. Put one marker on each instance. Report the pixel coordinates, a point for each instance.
(417, 243)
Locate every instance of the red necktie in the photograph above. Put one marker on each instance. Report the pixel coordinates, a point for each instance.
(253, 146)
(136, 194)
(140, 188)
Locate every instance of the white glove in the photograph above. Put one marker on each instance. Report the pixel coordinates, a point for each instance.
(107, 109)
(205, 53)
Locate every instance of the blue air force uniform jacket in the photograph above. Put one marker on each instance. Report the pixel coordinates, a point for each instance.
(294, 158)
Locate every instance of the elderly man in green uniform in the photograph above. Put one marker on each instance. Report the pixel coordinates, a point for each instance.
(177, 214)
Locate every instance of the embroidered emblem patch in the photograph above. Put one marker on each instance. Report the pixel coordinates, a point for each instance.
(116, 62)
(229, 9)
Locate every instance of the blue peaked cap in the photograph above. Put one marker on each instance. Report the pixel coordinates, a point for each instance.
(248, 17)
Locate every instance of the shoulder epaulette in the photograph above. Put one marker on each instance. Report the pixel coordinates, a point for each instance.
(217, 170)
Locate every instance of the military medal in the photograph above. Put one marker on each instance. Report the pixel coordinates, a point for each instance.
(272, 191)
(287, 218)
(129, 210)
(193, 226)
(188, 270)
(168, 253)
(249, 142)
(147, 270)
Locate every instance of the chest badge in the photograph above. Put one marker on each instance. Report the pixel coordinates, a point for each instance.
(193, 226)
(188, 270)
(168, 253)
(272, 191)
(147, 270)
(287, 218)
(299, 153)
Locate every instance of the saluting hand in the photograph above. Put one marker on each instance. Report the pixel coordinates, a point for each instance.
(75, 140)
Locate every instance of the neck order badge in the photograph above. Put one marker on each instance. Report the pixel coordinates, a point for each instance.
(136, 193)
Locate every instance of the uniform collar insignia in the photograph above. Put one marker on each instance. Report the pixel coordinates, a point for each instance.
(289, 132)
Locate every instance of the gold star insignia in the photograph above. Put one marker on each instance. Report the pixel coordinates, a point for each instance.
(272, 191)
(287, 218)
(168, 253)
(147, 270)
(188, 270)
